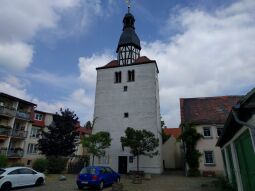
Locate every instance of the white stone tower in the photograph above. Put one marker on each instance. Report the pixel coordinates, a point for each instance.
(127, 95)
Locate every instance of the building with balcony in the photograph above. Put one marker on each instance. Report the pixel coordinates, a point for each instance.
(15, 121)
(41, 120)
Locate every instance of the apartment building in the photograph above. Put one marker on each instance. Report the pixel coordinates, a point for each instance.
(40, 121)
(15, 121)
(21, 127)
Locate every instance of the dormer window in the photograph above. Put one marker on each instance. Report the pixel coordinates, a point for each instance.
(131, 75)
(117, 77)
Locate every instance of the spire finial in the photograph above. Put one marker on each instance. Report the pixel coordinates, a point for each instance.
(129, 5)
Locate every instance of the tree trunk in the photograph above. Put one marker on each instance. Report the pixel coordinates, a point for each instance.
(93, 160)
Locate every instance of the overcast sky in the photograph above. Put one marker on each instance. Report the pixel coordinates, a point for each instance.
(49, 49)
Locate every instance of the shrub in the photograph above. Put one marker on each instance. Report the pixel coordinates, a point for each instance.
(3, 161)
(40, 164)
(76, 165)
(56, 165)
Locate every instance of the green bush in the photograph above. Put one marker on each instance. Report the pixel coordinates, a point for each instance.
(193, 172)
(40, 164)
(16, 164)
(56, 165)
(3, 161)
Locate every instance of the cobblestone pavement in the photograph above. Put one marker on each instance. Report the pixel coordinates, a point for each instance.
(157, 183)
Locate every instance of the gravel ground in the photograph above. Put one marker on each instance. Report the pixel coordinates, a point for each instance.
(157, 183)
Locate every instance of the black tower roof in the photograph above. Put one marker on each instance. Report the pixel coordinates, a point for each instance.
(129, 36)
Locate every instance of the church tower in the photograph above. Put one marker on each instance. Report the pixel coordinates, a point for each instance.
(127, 95)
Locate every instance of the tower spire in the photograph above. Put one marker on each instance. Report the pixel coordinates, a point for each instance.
(129, 47)
(129, 5)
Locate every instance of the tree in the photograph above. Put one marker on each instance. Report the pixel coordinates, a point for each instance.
(61, 137)
(140, 142)
(190, 137)
(97, 143)
(90, 125)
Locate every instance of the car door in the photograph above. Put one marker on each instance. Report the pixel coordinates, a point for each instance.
(27, 176)
(109, 174)
(14, 178)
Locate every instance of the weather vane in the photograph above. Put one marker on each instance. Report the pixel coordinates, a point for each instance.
(128, 4)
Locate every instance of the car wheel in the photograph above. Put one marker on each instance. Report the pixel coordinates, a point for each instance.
(101, 185)
(6, 186)
(39, 181)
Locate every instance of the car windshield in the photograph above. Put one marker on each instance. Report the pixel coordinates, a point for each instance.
(88, 170)
(2, 171)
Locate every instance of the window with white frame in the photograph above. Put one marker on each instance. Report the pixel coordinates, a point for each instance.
(32, 148)
(219, 131)
(38, 116)
(207, 132)
(35, 132)
(208, 157)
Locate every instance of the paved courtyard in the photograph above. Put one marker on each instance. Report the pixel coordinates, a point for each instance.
(157, 183)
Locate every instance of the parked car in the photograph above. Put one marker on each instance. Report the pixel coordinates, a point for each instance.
(97, 176)
(19, 176)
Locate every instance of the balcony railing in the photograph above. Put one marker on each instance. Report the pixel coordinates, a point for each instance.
(12, 152)
(5, 130)
(7, 111)
(23, 115)
(19, 134)
(15, 153)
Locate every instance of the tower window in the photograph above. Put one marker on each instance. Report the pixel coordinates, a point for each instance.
(126, 115)
(117, 77)
(131, 75)
(125, 88)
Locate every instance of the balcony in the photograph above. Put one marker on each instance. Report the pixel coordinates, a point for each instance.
(3, 151)
(9, 112)
(19, 134)
(23, 115)
(12, 152)
(5, 131)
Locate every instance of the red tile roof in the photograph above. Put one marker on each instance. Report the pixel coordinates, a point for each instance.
(175, 132)
(207, 110)
(83, 131)
(140, 60)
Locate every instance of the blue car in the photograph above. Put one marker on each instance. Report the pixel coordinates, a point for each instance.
(97, 176)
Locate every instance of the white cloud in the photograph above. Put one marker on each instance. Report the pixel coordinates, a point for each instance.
(88, 65)
(9, 88)
(20, 21)
(212, 55)
(15, 56)
(79, 100)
